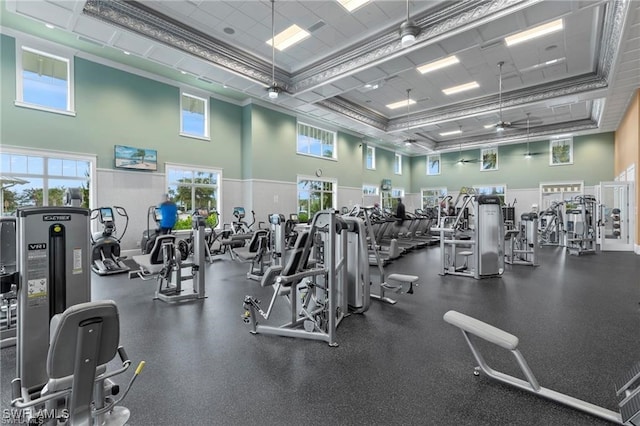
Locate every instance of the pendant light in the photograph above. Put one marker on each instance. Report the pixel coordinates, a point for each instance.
(273, 89)
(408, 31)
(409, 141)
(528, 154)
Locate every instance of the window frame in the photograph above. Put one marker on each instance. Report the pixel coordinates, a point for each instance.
(201, 97)
(442, 192)
(376, 189)
(493, 186)
(373, 158)
(428, 169)
(334, 191)
(333, 133)
(51, 51)
(557, 141)
(45, 176)
(194, 169)
(397, 164)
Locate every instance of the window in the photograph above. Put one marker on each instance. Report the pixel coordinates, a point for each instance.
(431, 197)
(316, 142)
(194, 116)
(33, 178)
(397, 192)
(315, 195)
(560, 152)
(499, 190)
(371, 157)
(433, 165)
(489, 158)
(369, 190)
(44, 81)
(397, 165)
(191, 189)
(390, 198)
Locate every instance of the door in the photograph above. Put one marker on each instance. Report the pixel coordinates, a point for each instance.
(615, 214)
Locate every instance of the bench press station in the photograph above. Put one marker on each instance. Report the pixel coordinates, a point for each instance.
(628, 388)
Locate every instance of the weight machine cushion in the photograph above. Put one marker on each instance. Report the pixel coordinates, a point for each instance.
(401, 278)
(64, 340)
(482, 329)
(153, 262)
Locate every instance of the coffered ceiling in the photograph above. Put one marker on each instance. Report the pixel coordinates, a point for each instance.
(575, 80)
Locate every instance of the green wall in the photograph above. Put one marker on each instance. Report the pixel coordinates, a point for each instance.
(385, 161)
(116, 107)
(592, 163)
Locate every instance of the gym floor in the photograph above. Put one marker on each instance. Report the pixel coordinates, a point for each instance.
(578, 320)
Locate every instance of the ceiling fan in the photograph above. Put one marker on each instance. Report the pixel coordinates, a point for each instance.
(502, 125)
(463, 160)
(411, 141)
(529, 154)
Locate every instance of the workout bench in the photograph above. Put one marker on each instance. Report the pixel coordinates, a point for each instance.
(628, 387)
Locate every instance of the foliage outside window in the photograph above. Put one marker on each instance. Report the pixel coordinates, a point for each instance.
(371, 158)
(191, 189)
(44, 81)
(431, 197)
(397, 164)
(499, 190)
(433, 165)
(194, 116)
(489, 158)
(314, 195)
(390, 198)
(369, 190)
(561, 152)
(315, 141)
(33, 179)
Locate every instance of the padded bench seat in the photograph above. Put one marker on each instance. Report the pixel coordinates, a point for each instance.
(402, 278)
(482, 329)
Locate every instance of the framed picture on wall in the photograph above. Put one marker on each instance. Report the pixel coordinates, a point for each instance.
(489, 158)
(127, 157)
(560, 152)
(433, 165)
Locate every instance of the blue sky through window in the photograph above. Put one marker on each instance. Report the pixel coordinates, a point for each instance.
(44, 90)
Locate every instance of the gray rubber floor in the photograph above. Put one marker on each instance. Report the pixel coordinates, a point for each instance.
(578, 320)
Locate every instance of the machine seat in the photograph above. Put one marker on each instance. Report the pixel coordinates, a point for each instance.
(153, 262)
(482, 330)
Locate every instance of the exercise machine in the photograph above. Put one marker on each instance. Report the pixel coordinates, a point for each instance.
(164, 264)
(316, 287)
(8, 281)
(627, 388)
(580, 225)
(522, 242)
(105, 252)
(149, 235)
(551, 222)
(476, 251)
(64, 341)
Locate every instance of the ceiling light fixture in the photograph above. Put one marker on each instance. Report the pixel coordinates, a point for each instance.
(436, 65)
(400, 104)
(544, 64)
(352, 5)
(451, 133)
(535, 32)
(409, 141)
(408, 31)
(50, 26)
(273, 90)
(461, 88)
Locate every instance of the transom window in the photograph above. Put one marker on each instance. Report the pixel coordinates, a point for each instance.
(371, 158)
(397, 164)
(44, 81)
(191, 189)
(315, 141)
(36, 179)
(369, 190)
(499, 190)
(315, 195)
(194, 116)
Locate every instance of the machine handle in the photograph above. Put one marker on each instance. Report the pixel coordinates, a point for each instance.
(16, 390)
(123, 355)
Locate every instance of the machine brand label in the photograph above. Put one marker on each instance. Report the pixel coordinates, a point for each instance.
(38, 246)
(56, 217)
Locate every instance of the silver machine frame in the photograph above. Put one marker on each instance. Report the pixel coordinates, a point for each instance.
(321, 293)
(54, 274)
(627, 388)
(170, 273)
(522, 242)
(9, 282)
(580, 226)
(485, 249)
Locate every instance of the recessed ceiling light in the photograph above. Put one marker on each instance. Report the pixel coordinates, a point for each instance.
(461, 88)
(50, 26)
(489, 126)
(400, 104)
(534, 32)
(352, 5)
(436, 65)
(544, 64)
(126, 53)
(183, 72)
(452, 132)
(289, 37)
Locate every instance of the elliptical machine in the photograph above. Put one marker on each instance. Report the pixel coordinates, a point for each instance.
(149, 235)
(105, 252)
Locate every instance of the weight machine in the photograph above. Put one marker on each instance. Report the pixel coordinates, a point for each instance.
(551, 222)
(164, 264)
(522, 242)
(627, 388)
(580, 225)
(481, 246)
(8, 281)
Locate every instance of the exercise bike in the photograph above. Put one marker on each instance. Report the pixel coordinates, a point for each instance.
(105, 251)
